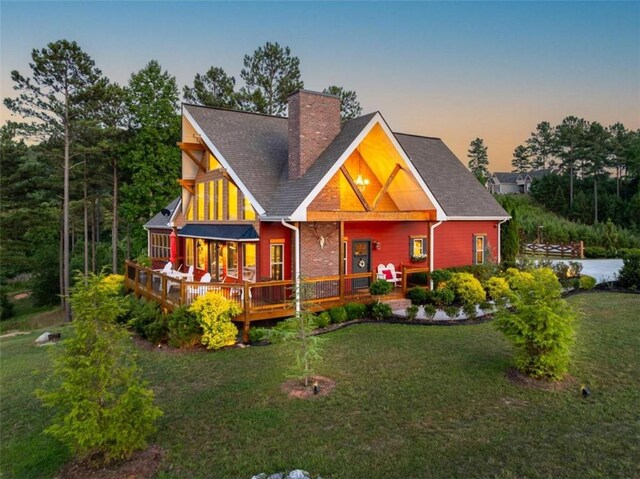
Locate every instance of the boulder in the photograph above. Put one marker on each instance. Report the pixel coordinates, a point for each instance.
(43, 338)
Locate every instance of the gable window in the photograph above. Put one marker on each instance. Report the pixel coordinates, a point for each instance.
(248, 212)
(233, 201)
(276, 259)
(160, 246)
(478, 249)
(190, 209)
(200, 194)
(188, 246)
(211, 199)
(219, 199)
(213, 163)
(418, 248)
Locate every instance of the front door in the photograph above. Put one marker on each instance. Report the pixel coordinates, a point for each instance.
(361, 262)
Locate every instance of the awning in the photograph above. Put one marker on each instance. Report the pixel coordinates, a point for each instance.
(220, 232)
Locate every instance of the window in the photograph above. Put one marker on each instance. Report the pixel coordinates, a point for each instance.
(213, 163)
(276, 258)
(219, 197)
(160, 246)
(478, 249)
(200, 196)
(418, 248)
(248, 211)
(211, 199)
(249, 262)
(188, 251)
(201, 254)
(190, 209)
(232, 259)
(233, 201)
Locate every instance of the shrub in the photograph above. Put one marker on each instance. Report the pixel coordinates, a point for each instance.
(482, 272)
(157, 331)
(575, 268)
(104, 411)
(623, 252)
(323, 319)
(412, 312)
(429, 311)
(214, 313)
(380, 287)
(381, 311)
(629, 276)
(184, 329)
(518, 280)
(418, 296)
(355, 311)
(113, 284)
(452, 311)
(7, 309)
(143, 314)
(596, 252)
(440, 276)
(539, 325)
(587, 282)
(443, 297)
(469, 310)
(467, 288)
(257, 334)
(420, 279)
(561, 270)
(338, 315)
(498, 289)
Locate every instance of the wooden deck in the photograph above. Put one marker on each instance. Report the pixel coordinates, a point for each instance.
(263, 300)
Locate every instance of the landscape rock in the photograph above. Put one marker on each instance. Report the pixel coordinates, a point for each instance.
(295, 474)
(298, 474)
(43, 338)
(262, 475)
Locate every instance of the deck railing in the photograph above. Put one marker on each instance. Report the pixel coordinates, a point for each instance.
(262, 300)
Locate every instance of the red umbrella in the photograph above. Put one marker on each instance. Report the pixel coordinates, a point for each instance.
(173, 247)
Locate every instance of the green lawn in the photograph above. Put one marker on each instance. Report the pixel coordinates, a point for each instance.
(410, 401)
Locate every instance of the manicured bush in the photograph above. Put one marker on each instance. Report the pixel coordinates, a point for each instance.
(518, 280)
(443, 297)
(467, 288)
(412, 312)
(113, 284)
(323, 319)
(452, 311)
(469, 310)
(587, 282)
(257, 334)
(380, 287)
(184, 330)
(157, 331)
(629, 276)
(214, 313)
(482, 272)
(355, 311)
(429, 311)
(624, 252)
(103, 410)
(597, 252)
(539, 324)
(338, 315)
(143, 313)
(439, 277)
(381, 311)
(418, 296)
(498, 289)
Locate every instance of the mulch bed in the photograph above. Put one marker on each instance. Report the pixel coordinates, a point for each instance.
(295, 388)
(142, 465)
(520, 379)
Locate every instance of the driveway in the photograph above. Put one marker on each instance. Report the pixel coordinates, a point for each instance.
(601, 269)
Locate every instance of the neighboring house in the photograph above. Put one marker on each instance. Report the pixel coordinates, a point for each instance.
(266, 196)
(514, 183)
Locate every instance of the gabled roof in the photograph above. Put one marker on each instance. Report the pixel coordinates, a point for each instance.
(164, 217)
(459, 192)
(508, 177)
(255, 147)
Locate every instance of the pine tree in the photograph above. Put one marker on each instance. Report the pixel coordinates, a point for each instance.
(521, 162)
(478, 160)
(511, 240)
(214, 88)
(349, 104)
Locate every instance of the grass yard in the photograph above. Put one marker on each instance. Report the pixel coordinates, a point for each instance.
(410, 401)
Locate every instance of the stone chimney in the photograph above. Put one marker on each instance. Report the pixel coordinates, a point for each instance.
(314, 121)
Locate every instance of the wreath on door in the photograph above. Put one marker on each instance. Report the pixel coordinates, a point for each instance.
(361, 264)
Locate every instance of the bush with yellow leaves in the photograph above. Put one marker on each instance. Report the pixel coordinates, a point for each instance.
(498, 289)
(112, 284)
(214, 312)
(467, 288)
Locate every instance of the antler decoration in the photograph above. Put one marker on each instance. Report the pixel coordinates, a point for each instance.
(323, 240)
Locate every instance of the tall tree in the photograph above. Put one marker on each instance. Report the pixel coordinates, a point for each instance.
(478, 160)
(151, 155)
(541, 146)
(569, 140)
(618, 149)
(521, 161)
(271, 74)
(55, 99)
(214, 88)
(349, 104)
(595, 157)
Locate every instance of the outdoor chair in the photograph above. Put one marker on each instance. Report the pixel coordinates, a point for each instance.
(388, 273)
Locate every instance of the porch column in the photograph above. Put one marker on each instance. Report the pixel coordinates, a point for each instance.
(341, 252)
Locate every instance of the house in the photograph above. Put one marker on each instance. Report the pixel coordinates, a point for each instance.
(266, 197)
(514, 183)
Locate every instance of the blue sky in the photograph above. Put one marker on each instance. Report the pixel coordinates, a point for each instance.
(455, 70)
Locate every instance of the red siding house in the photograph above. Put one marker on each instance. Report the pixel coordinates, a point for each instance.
(266, 197)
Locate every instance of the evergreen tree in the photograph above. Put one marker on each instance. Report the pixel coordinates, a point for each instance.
(569, 141)
(596, 138)
(521, 162)
(541, 146)
(349, 104)
(271, 74)
(511, 241)
(56, 98)
(214, 88)
(478, 160)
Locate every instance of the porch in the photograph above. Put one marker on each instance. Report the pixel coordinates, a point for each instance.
(269, 299)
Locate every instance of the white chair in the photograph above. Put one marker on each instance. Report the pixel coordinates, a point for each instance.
(190, 274)
(167, 268)
(388, 273)
(194, 291)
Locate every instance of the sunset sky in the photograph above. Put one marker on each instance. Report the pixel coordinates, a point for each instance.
(452, 70)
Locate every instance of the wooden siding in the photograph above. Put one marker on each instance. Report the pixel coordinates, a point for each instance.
(268, 233)
(453, 242)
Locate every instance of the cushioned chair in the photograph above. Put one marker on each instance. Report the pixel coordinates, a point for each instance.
(388, 273)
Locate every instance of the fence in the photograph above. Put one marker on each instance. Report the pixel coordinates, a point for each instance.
(569, 250)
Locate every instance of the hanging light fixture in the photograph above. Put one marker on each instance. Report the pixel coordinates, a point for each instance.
(361, 182)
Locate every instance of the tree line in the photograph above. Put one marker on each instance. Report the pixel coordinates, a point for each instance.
(89, 160)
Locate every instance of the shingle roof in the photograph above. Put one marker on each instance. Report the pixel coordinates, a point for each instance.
(256, 148)
(161, 220)
(508, 177)
(455, 188)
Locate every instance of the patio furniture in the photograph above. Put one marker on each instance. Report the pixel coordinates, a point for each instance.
(388, 273)
(167, 268)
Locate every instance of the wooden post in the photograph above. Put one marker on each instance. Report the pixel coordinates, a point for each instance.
(581, 249)
(342, 253)
(163, 285)
(403, 281)
(247, 324)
